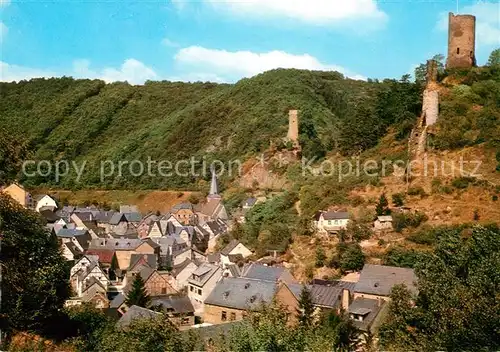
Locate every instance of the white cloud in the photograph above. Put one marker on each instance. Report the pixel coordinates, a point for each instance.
(3, 31)
(312, 11)
(4, 3)
(132, 71)
(9, 73)
(238, 64)
(487, 22)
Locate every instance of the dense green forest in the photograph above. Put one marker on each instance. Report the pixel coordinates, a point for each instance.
(68, 119)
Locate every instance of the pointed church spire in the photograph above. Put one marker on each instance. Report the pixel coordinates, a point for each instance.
(214, 189)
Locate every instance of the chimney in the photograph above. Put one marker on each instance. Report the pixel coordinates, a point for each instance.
(346, 298)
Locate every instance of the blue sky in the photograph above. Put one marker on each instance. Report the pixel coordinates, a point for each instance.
(225, 40)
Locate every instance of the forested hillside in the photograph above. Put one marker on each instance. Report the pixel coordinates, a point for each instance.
(64, 118)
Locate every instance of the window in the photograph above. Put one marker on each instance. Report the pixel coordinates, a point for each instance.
(185, 321)
(191, 288)
(329, 222)
(199, 292)
(163, 290)
(223, 315)
(458, 50)
(232, 316)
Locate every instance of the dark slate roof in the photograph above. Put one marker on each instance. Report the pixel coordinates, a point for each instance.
(217, 227)
(117, 218)
(180, 206)
(214, 257)
(49, 215)
(73, 248)
(117, 301)
(234, 270)
(250, 202)
(324, 296)
(135, 313)
(68, 233)
(151, 260)
(335, 215)
(175, 304)
(235, 258)
(368, 308)
(181, 266)
(230, 246)
(241, 293)
(262, 272)
(133, 217)
(380, 279)
(204, 273)
(104, 216)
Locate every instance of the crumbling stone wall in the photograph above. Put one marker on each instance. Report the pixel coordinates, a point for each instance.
(293, 126)
(430, 107)
(432, 71)
(461, 41)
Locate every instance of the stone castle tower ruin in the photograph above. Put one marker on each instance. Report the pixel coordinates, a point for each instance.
(461, 41)
(293, 126)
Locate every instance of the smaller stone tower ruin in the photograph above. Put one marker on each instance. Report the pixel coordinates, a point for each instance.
(293, 126)
(461, 41)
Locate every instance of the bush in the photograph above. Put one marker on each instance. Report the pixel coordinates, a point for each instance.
(398, 199)
(401, 257)
(462, 182)
(416, 191)
(320, 257)
(402, 220)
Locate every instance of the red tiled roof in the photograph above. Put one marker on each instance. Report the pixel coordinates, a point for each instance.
(105, 255)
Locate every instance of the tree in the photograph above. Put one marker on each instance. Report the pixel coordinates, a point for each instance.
(13, 150)
(90, 323)
(398, 199)
(113, 267)
(382, 207)
(146, 335)
(494, 59)
(34, 273)
(457, 306)
(352, 258)
(421, 70)
(138, 295)
(320, 257)
(306, 308)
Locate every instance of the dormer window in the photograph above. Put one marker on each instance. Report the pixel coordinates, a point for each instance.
(225, 294)
(253, 298)
(247, 285)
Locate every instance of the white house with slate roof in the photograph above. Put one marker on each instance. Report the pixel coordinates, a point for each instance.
(202, 282)
(234, 248)
(46, 201)
(332, 221)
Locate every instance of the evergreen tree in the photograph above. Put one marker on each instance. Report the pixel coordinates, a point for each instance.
(320, 257)
(138, 295)
(383, 206)
(306, 308)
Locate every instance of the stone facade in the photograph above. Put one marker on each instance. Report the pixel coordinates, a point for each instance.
(461, 41)
(293, 126)
(218, 315)
(430, 107)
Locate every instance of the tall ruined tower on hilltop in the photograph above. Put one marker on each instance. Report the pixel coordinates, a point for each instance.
(293, 126)
(461, 41)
